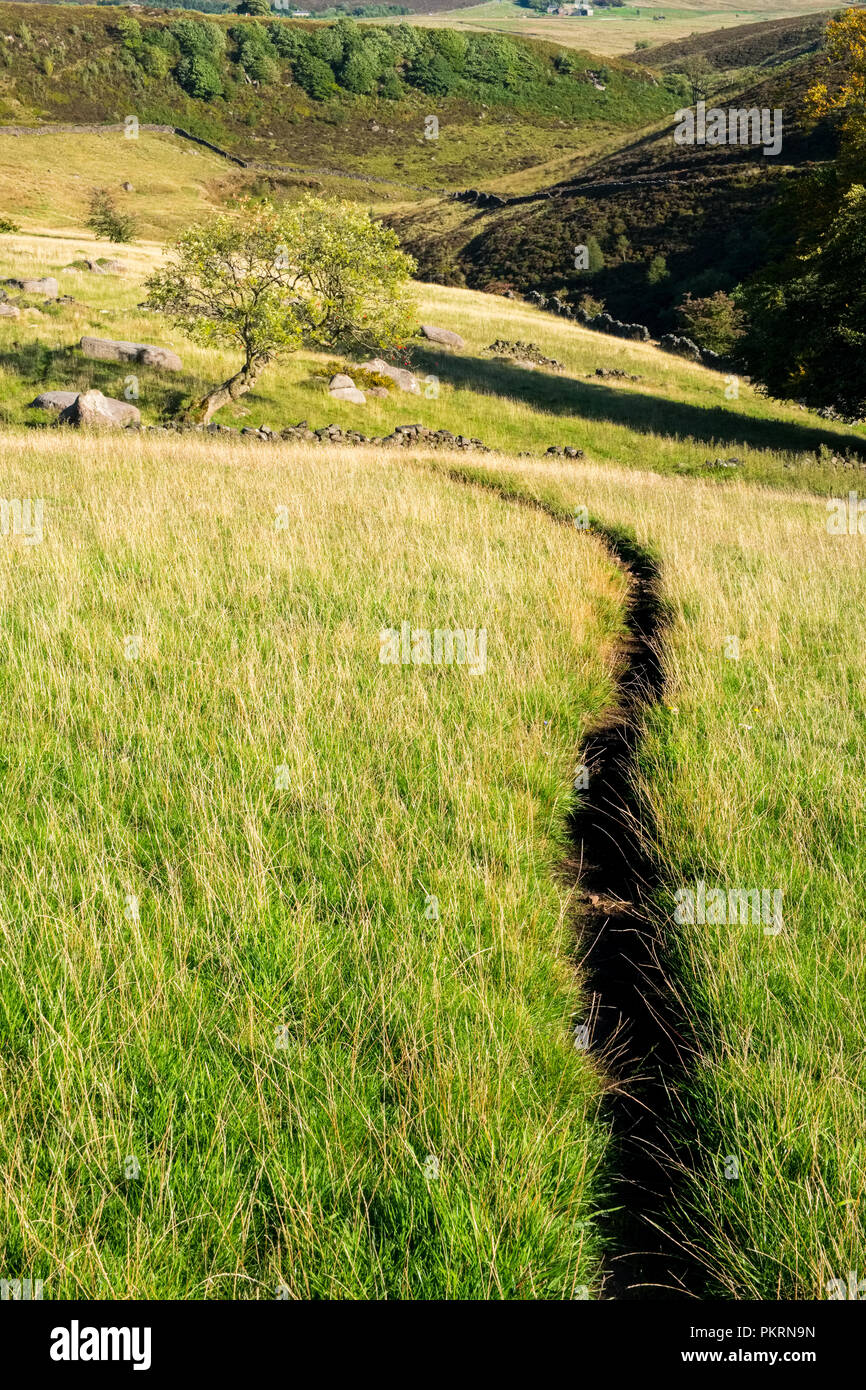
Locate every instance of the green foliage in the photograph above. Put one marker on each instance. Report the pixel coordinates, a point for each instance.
(268, 279)
(715, 322)
(391, 88)
(806, 319)
(259, 7)
(106, 221)
(256, 53)
(199, 38)
(286, 40)
(155, 61)
(326, 43)
(595, 255)
(7, 225)
(359, 73)
(452, 46)
(129, 30)
(200, 77)
(432, 74)
(657, 271)
(591, 305)
(314, 75)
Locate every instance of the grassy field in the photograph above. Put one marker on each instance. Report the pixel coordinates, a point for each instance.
(751, 776)
(614, 32)
(48, 179)
(674, 418)
(286, 972)
(288, 969)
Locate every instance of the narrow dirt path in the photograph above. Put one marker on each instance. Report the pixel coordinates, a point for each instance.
(635, 1027)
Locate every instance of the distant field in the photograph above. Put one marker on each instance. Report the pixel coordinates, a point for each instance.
(614, 32)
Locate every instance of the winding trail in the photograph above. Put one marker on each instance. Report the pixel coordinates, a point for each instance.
(637, 1030)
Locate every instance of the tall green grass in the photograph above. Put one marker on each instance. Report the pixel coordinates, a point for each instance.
(286, 978)
(751, 776)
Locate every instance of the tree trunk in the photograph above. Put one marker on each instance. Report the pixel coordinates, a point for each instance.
(231, 390)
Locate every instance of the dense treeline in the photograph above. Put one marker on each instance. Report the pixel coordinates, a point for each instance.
(205, 58)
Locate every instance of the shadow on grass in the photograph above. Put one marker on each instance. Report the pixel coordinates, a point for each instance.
(67, 369)
(590, 400)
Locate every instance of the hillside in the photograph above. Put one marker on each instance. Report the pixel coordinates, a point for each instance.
(432, 730)
(344, 98)
(310, 890)
(702, 209)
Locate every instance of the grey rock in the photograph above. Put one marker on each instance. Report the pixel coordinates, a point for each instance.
(53, 400)
(47, 286)
(445, 336)
(403, 378)
(9, 311)
(352, 394)
(92, 410)
(683, 347)
(116, 350)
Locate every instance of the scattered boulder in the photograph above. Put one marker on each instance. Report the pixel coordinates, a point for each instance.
(92, 410)
(404, 379)
(127, 187)
(53, 400)
(614, 372)
(445, 336)
(723, 463)
(567, 451)
(603, 323)
(115, 350)
(9, 311)
(683, 347)
(523, 354)
(47, 286)
(343, 388)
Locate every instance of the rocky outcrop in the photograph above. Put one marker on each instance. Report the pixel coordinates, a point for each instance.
(404, 379)
(603, 323)
(92, 410)
(116, 350)
(683, 347)
(46, 286)
(9, 311)
(343, 388)
(616, 372)
(523, 354)
(445, 336)
(53, 400)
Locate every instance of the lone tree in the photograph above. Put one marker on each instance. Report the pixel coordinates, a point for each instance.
(106, 222)
(269, 279)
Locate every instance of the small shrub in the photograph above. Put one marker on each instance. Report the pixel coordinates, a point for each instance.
(590, 305)
(106, 221)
